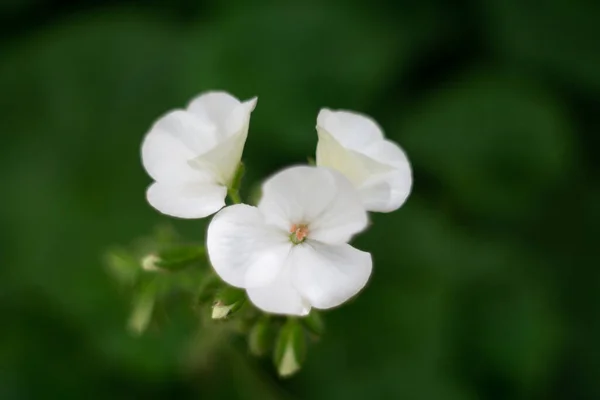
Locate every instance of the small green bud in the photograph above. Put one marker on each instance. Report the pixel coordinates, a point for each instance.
(141, 314)
(222, 311)
(290, 349)
(261, 337)
(314, 323)
(149, 263)
(228, 301)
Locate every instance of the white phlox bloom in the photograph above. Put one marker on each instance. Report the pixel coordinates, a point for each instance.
(290, 253)
(354, 145)
(193, 154)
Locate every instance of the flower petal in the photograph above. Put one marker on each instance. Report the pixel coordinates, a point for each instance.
(243, 250)
(296, 195)
(343, 218)
(223, 110)
(354, 145)
(354, 165)
(223, 159)
(388, 153)
(214, 106)
(279, 297)
(327, 275)
(172, 141)
(319, 197)
(387, 191)
(187, 200)
(352, 130)
(239, 118)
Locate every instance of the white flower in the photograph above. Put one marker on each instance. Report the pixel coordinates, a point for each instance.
(193, 154)
(290, 253)
(355, 145)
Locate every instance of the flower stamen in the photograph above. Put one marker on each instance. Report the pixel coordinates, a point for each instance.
(298, 233)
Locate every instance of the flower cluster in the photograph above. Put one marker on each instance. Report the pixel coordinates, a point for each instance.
(290, 252)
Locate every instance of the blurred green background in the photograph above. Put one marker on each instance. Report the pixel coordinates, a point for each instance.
(486, 283)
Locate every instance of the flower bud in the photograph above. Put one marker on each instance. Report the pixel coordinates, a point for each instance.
(290, 349)
(149, 263)
(313, 322)
(141, 315)
(228, 301)
(174, 258)
(261, 337)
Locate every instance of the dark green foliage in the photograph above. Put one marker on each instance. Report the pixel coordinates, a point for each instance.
(485, 284)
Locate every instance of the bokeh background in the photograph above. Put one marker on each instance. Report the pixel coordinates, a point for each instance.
(486, 283)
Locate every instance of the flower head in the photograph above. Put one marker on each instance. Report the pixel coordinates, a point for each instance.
(355, 145)
(290, 253)
(193, 154)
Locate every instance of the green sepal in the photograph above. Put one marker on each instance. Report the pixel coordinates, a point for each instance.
(230, 295)
(207, 288)
(176, 258)
(290, 349)
(143, 307)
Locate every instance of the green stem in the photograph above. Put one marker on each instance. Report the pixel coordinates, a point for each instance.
(234, 188)
(234, 195)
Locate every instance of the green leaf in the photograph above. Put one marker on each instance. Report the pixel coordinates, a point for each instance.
(207, 288)
(290, 349)
(179, 257)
